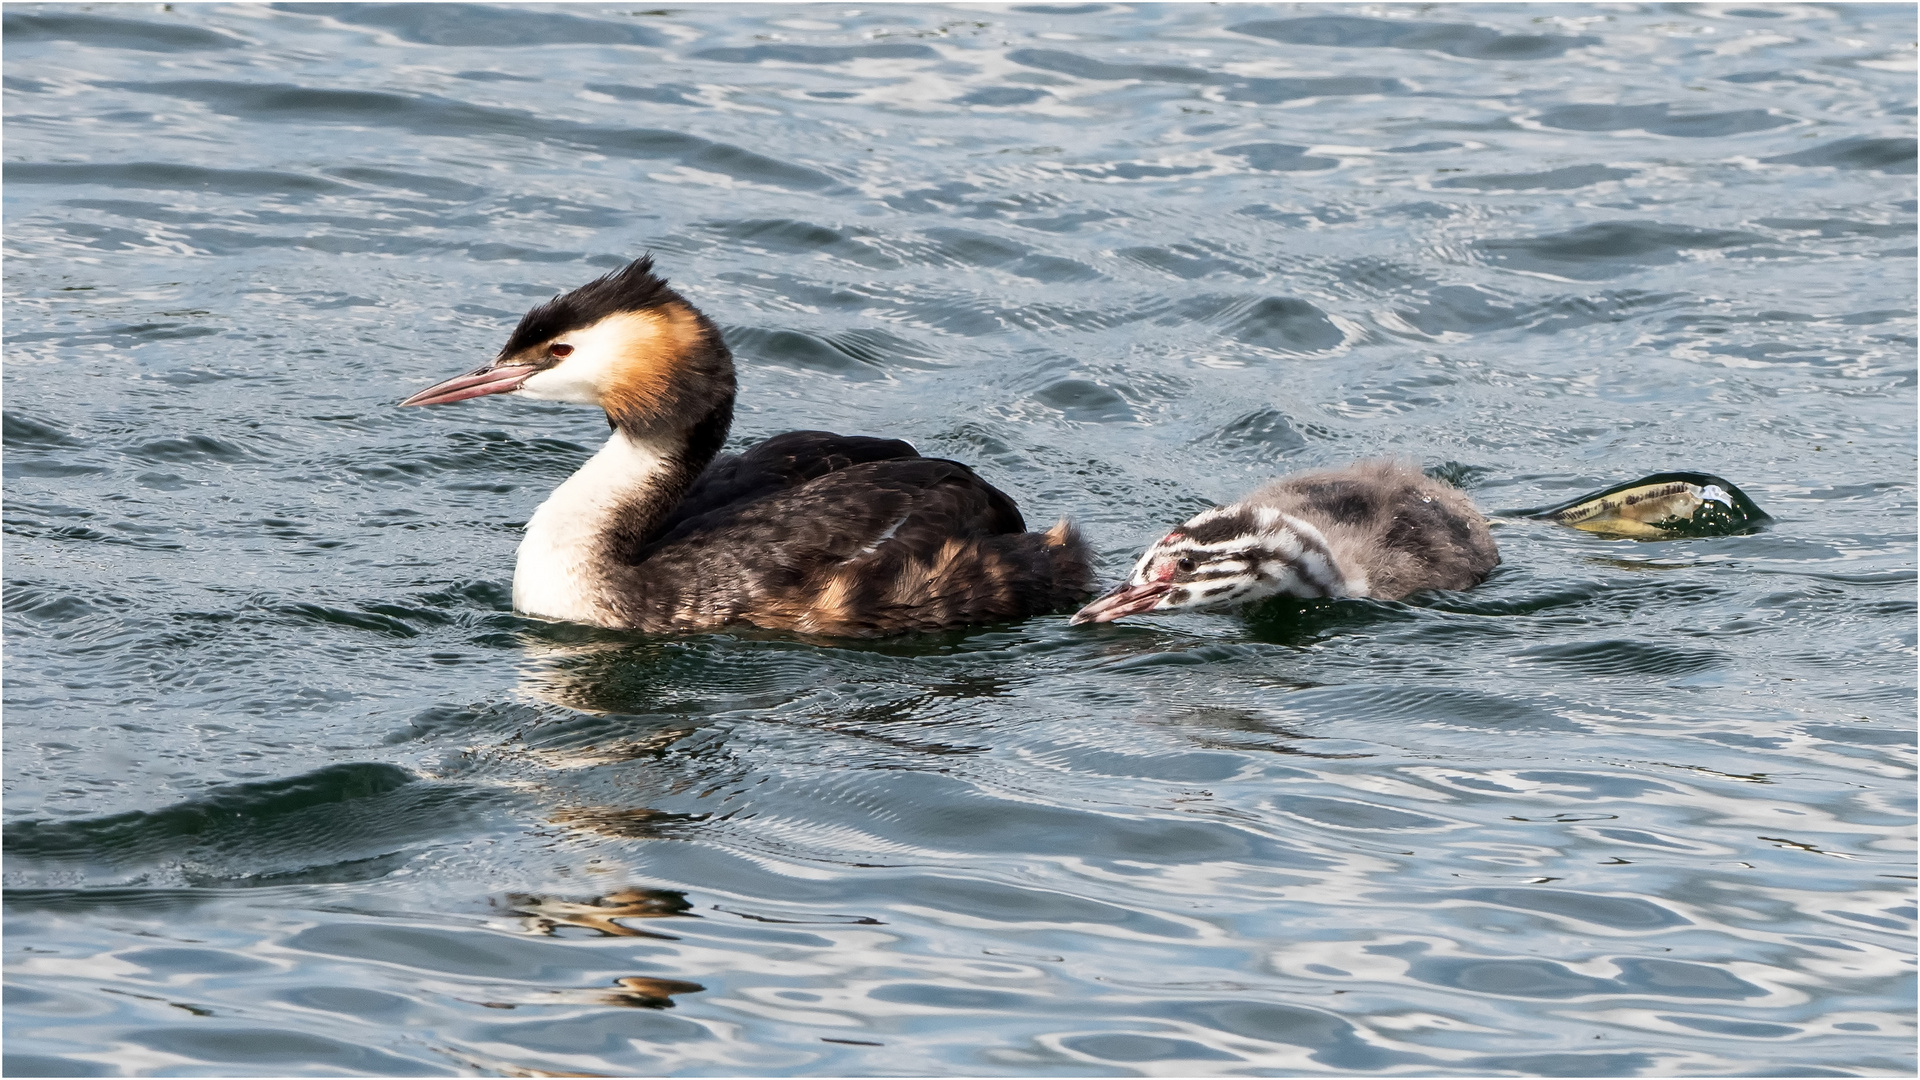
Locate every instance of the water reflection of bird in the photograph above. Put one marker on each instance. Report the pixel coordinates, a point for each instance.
(806, 531)
(1378, 529)
(545, 914)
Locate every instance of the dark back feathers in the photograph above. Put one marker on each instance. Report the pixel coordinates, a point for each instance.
(889, 544)
(775, 465)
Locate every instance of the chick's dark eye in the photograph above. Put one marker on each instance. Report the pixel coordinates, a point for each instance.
(1186, 565)
(557, 350)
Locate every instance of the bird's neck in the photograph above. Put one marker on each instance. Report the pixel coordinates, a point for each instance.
(1300, 561)
(604, 514)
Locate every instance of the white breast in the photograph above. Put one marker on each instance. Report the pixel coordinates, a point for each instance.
(562, 568)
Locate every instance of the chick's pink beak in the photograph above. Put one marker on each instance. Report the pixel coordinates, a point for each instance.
(1123, 601)
(476, 383)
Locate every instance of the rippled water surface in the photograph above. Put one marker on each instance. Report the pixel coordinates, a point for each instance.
(290, 789)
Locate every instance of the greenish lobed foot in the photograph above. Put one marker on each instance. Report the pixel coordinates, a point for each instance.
(1664, 506)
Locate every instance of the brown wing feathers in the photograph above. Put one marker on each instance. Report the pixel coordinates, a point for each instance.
(848, 536)
(773, 465)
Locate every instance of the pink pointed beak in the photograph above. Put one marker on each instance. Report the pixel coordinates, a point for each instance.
(476, 383)
(1123, 601)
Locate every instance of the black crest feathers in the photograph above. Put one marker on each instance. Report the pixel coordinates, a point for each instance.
(633, 287)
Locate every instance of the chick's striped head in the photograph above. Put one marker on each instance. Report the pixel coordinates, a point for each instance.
(1225, 556)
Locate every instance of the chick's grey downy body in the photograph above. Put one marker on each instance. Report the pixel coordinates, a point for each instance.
(1377, 529)
(1403, 530)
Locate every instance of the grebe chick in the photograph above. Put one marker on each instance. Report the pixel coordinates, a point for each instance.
(807, 531)
(1377, 528)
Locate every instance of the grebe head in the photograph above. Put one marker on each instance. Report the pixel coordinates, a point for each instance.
(1224, 556)
(625, 342)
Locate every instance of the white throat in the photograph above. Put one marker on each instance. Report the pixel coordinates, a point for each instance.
(562, 571)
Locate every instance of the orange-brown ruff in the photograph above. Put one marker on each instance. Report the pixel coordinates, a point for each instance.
(807, 531)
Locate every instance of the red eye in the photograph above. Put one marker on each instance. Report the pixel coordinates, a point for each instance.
(559, 350)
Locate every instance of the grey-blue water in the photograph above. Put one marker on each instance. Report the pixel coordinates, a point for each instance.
(290, 790)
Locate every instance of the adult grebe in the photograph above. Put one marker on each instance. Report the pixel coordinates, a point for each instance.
(1377, 528)
(807, 531)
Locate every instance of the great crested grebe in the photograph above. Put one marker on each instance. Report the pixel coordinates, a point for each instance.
(808, 531)
(1377, 528)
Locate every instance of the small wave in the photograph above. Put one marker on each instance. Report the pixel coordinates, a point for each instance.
(793, 236)
(1356, 815)
(1609, 248)
(1279, 91)
(1880, 155)
(1657, 120)
(1564, 179)
(1085, 401)
(1553, 981)
(1188, 261)
(1005, 902)
(387, 619)
(1063, 9)
(1455, 39)
(1329, 1038)
(112, 33)
(1280, 157)
(1444, 706)
(1841, 227)
(1001, 97)
(166, 176)
(21, 432)
(858, 354)
(1617, 912)
(1267, 430)
(975, 248)
(191, 449)
(433, 187)
(426, 114)
(481, 25)
(818, 54)
(1234, 87)
(46, 520)
(494, 453)
(1129, 1048)
(264, 1050)
(47, 603)
(1625, 659)
(1068, 63)
(1135, 170)
(338, 814)
(1287, 324)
